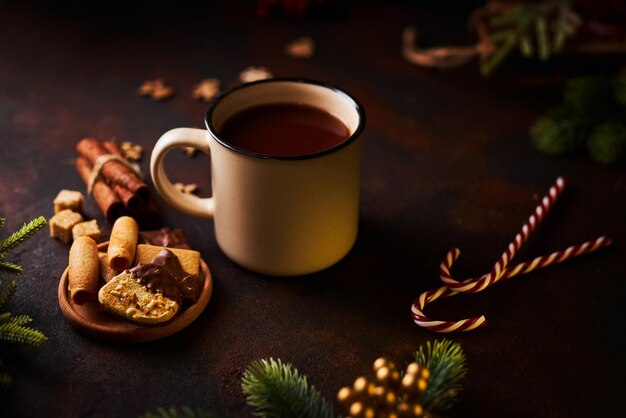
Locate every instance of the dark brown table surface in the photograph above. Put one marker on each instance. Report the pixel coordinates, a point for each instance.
(447, 161)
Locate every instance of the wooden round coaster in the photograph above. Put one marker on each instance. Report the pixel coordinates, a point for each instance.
(93, 320)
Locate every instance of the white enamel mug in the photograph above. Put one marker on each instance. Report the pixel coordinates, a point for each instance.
(280, 216)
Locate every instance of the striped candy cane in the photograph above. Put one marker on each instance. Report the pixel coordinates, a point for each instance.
(499, 271)
(496, 273)
(469, 324)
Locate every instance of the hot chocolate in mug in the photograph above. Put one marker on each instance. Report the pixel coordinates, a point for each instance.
(280, 214)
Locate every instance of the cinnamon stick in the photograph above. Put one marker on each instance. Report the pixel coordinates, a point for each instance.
(113, 171)
(113, 147)
(106, 199)
(133, 201)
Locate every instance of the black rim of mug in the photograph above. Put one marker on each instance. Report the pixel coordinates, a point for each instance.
(357, 106)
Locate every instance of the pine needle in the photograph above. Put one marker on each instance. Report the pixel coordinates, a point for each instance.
(10, 268)
(183, 412)
(18, 334)
(14, 329)
(7, 292)
(542, 23)
(21, 320)
(446, 362)
(25, 232)
(276, 390)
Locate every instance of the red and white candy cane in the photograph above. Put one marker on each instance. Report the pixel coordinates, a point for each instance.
(496, 273)
(500, 271)
(469, 324)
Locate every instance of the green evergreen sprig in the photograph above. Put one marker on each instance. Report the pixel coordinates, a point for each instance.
(14, 329)
(25, 232)
(447, 365)
(592, 118)
(5, 294)
(183, 412)
(277, 390)
(10, 268)
(14, 240)
(16, 333)
(536, 28)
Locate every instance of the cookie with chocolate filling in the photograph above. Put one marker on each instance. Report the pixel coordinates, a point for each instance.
(125, 296)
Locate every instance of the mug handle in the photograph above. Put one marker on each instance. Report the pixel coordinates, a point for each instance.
(176, 138)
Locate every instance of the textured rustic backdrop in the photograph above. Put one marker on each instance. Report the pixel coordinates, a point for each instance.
(446, 161)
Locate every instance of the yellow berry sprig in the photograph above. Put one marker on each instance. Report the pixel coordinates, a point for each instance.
(387, 395)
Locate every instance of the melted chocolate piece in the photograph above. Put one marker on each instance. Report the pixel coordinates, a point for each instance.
(189, 288)
(165, 237)
(188, 284)
(169, 261)
(157, 279)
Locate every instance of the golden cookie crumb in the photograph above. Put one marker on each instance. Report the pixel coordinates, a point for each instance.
(206, 90)
(157, 89)
(131, 151)
(301, 48)
(190, 151)
(190, 188)
(251, 74)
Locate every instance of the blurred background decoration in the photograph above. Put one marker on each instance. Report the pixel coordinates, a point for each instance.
(532, 29)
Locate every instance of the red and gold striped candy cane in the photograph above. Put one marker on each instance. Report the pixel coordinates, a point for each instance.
(500, 271)
(469, 324)
(473, 286)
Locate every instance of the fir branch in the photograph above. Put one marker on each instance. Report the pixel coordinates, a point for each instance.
(21, 319)
(542, 38)
(183, 412)
(619, 88)
(446, 362)
(495, 59)
(14, 329)
(590, 96)
(10, 268)
(5, 380)
(25, 232)
(7, 292)
(18, 334)
(548, 24)
(276, 390)
(559, 131)
(607, 144)
(593, 117)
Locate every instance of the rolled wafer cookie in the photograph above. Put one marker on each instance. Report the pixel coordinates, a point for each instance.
(123, 243)
(83, 270)
(106, 272)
